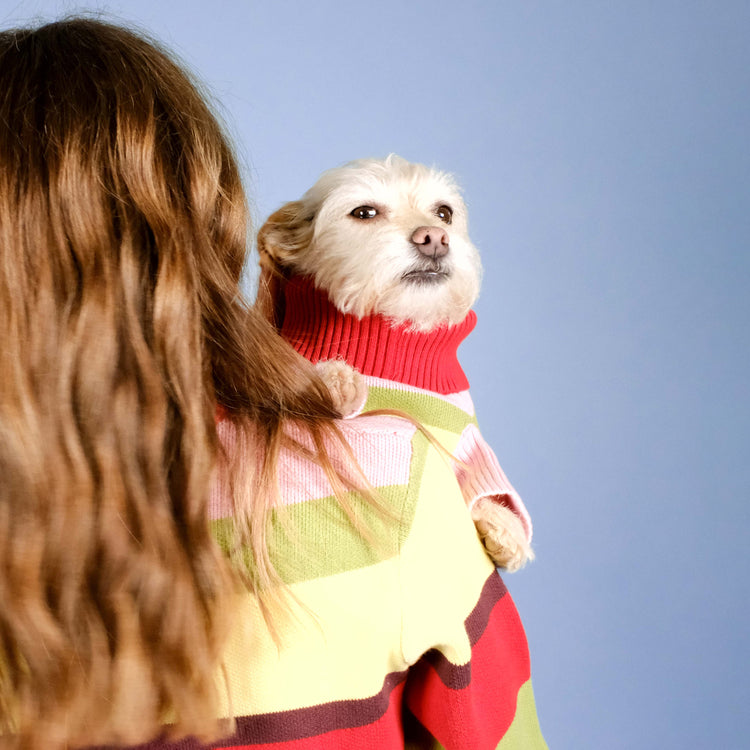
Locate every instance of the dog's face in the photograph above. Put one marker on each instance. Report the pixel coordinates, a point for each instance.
(380, 236)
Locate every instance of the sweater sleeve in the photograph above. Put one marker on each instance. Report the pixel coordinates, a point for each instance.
(468, 686)
(480, 475)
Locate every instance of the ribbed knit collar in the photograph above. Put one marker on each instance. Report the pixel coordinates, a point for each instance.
(373, 345)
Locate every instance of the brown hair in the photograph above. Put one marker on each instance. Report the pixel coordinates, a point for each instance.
(122, 237)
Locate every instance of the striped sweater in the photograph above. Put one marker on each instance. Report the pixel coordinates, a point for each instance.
(406, 640)
(414, 641)
(415, 372)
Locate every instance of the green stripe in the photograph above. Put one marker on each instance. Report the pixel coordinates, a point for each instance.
(315, 538)
(524, 733)
(427, 409)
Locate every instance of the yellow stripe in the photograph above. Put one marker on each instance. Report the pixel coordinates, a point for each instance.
(342, 652)
(444, 565)
(369, 621)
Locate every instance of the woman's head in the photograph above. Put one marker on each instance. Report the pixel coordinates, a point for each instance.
(122, 238)
(120, 201)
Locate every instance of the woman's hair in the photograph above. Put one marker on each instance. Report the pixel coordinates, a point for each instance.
(123, 231)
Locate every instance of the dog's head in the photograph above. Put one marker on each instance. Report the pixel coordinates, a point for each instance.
(379, 236)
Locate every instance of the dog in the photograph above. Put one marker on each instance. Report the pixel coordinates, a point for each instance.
(372, 275)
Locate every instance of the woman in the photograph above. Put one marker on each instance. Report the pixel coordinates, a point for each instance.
(182, 545)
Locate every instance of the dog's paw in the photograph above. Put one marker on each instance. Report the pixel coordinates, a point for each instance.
(347, 387)
(502, 534)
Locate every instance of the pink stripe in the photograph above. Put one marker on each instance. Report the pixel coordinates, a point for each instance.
(382, 446)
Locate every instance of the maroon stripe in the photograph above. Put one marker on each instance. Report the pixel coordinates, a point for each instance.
(315, 720)
(458, 677)
(285, 726)
(493, 591)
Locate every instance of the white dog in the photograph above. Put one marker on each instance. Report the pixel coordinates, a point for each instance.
(374, 266)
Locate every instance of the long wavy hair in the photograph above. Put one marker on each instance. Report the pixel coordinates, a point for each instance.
(123, 229)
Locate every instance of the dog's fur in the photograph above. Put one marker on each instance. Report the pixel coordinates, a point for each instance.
(385, 237)
(363, 263)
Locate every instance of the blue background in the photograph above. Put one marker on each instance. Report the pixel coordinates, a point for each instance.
(604, 151)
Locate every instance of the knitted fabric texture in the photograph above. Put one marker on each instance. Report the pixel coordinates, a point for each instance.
(373, 344)
(416, 372)
(408, 640)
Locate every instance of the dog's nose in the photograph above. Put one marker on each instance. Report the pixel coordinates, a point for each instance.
(431, 241)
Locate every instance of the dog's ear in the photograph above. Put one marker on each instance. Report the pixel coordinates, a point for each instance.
(285, 234)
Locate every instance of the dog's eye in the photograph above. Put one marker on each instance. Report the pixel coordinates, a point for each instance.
(445, 213)
(364, 212)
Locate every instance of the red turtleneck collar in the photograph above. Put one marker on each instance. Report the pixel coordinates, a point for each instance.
(373, 345)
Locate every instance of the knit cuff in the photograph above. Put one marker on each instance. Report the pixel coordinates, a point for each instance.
(479, 474)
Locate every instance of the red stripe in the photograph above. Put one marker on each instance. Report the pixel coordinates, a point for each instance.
(474, 711)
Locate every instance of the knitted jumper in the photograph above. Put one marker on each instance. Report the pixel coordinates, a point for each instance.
(408, 639)
(405, 639)
(415, 372)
